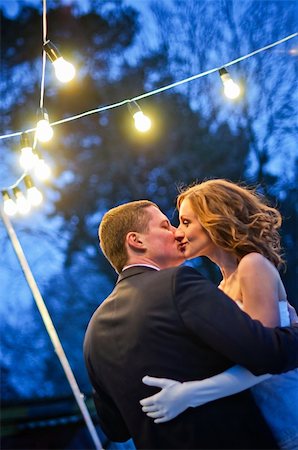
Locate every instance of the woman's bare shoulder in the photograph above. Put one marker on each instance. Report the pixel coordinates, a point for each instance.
(254, 262)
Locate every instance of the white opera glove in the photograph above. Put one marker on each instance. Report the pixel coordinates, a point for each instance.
(176, 397)
(173, 399)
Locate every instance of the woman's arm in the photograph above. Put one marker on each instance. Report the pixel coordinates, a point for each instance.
(176, 397)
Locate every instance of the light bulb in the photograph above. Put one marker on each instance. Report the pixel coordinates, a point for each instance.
(34, 196)
(44, 131)
(42, 170)
(10, 207)
(64, 70)
(23, 205)
(231, 89)
(27, 157)
(142, 122)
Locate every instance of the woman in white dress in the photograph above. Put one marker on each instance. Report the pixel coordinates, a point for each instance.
(234, 228)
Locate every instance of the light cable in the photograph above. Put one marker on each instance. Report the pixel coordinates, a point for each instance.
(157, 91)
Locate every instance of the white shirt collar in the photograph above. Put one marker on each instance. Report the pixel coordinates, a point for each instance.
(143, 265)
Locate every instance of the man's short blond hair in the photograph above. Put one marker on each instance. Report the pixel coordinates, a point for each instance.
(116, 223)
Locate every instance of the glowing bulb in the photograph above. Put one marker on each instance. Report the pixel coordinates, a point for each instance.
(142, 122)
(34, 196)
(23, 205)
(10, 208)
(231, 89)
(64, 70)
(42, 170)
(27, 157)
(44, 131)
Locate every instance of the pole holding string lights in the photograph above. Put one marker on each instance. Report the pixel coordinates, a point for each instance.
(51, 329)
(16, 201)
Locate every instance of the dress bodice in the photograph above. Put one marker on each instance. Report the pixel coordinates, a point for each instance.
(277, 398)
(284, 313)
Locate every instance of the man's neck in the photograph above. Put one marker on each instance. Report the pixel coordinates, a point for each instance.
(152, 266)
(138, 260)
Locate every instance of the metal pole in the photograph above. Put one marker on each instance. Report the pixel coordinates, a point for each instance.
(51, 330)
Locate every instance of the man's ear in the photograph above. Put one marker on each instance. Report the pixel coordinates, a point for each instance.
(134, 240)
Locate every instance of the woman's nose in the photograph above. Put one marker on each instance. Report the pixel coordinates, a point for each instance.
(179, 234)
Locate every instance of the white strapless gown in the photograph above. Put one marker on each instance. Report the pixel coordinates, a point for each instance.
(277, 398)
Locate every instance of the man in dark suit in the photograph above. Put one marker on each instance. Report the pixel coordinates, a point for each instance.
(173, 323)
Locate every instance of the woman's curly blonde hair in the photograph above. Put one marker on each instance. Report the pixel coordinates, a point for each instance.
(236, 218)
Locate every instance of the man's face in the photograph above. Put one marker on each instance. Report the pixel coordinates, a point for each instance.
(163, 241)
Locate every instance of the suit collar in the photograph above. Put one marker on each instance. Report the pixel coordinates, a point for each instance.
(135, 270)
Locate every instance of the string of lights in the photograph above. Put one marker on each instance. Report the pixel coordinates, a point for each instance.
(31, 159)
(159, 90)
(44, 31)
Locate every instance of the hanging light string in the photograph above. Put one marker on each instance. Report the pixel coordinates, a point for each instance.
(44, 21)
(129, 102)
(19, 180)
(44, 56)
(24, 177)
(161, 89)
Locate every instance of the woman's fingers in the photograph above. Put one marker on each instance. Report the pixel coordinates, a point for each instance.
(161, 420)
(149, 408)
(154, 412)
(155, 415)
(157, 382)
(154, 406)
(148, 401)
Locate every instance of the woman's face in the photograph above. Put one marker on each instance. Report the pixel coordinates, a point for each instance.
(197, 241)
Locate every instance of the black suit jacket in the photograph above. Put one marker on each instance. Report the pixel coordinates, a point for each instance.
(174, 323)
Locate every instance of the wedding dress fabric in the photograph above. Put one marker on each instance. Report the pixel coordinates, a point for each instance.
(277, 398)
